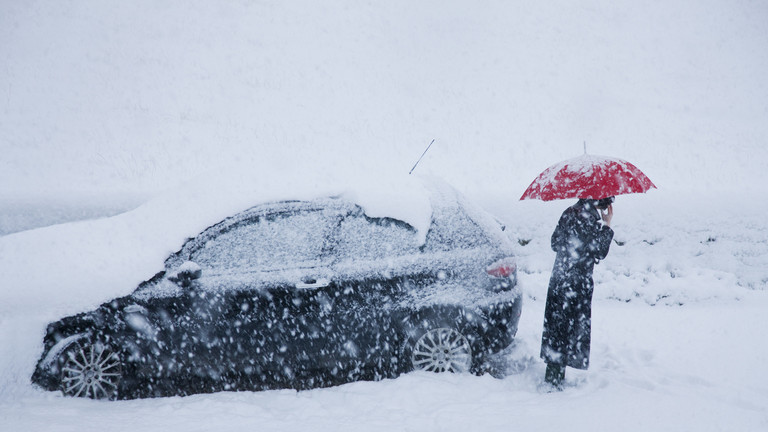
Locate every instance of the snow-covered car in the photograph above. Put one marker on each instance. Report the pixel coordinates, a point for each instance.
(299, 294)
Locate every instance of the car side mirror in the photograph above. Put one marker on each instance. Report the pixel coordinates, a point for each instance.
(186, 273)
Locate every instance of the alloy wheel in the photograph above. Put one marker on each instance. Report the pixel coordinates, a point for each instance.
(92, 371)
(442, 350)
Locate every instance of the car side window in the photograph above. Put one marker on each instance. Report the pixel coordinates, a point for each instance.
(361, 237)
(275, 241)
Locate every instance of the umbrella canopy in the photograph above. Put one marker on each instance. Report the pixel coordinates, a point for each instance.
(588, 176)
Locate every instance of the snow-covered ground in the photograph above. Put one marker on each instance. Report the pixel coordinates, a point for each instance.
(678, 318)
(107, 105)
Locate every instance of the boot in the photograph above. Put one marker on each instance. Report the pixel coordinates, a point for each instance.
(555, 375)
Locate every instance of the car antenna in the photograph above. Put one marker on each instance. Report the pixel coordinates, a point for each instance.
(422, 155)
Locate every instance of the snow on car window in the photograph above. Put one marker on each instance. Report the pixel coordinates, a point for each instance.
(268, 242)
(362, 237)
(452, 228)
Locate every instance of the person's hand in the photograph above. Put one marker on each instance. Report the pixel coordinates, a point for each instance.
(607, 215)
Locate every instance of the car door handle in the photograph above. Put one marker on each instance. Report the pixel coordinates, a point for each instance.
(313, 283)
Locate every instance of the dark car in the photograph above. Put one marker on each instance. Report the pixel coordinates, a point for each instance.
(298, 294)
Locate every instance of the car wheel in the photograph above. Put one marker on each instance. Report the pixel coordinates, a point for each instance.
(441, 350)
(91, 370)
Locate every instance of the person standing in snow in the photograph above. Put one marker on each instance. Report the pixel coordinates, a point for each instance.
(581, 239)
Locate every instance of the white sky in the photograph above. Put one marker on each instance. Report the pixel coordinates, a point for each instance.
(109, 96)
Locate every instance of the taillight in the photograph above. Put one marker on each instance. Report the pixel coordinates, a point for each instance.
(503, 268)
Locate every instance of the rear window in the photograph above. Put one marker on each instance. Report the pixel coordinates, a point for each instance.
(452, 228)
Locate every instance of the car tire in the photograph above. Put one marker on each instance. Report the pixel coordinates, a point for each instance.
(91, 370)
(438, 349)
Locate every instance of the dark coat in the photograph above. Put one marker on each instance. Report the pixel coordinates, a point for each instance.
(580, 240)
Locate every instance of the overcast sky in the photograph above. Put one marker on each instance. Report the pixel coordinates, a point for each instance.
(113, 96)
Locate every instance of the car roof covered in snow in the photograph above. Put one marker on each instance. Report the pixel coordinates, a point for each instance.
(412, 199)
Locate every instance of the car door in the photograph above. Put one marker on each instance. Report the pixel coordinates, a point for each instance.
(272, 271)
(377, 262)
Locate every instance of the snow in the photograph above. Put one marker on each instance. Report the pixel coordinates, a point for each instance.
(185, 113)
(676, 340)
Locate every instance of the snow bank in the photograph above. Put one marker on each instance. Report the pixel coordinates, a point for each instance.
(668, 248)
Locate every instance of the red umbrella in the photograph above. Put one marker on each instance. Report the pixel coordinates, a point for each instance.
(588, 176)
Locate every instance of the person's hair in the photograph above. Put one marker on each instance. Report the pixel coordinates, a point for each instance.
(604, 202)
